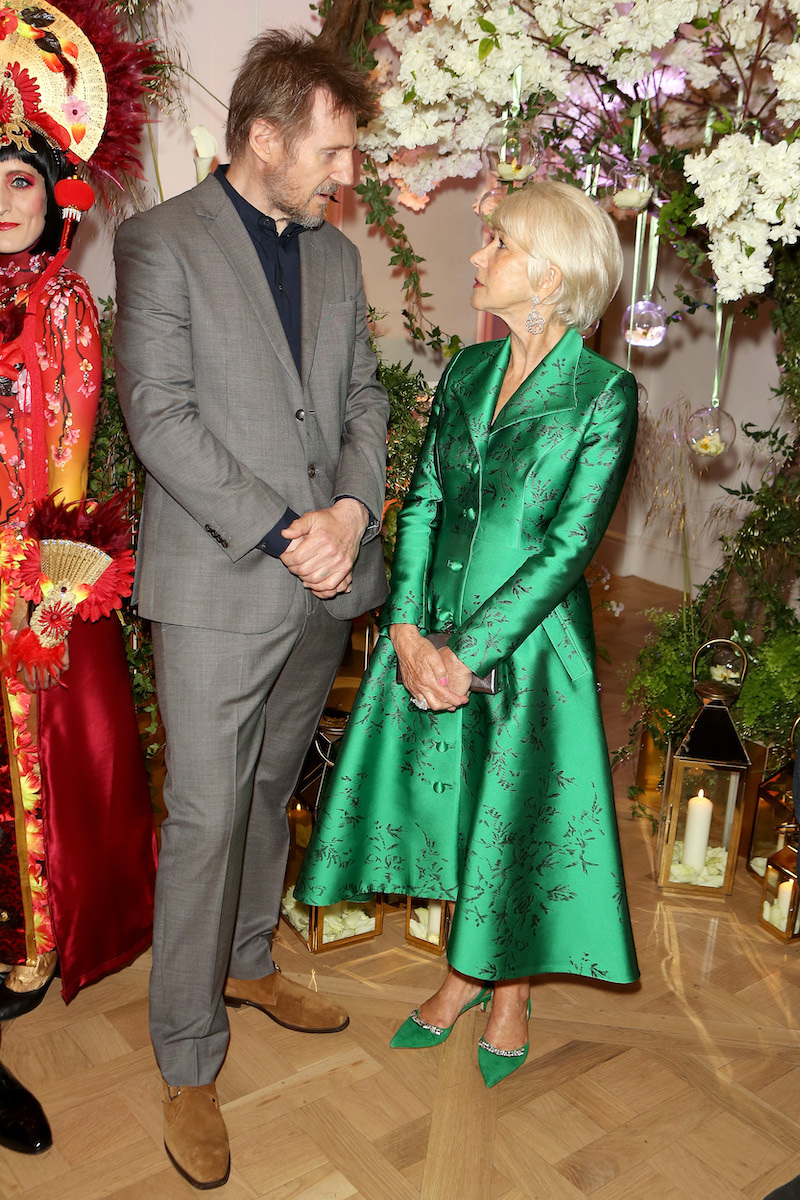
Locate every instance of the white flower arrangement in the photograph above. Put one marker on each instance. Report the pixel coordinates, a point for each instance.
(720, 78)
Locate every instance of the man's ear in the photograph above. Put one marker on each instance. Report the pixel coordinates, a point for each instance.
(264, 140)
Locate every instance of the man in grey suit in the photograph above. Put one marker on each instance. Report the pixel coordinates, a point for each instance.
(249, 388)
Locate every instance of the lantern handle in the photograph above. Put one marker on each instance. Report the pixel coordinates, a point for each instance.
(721, 642)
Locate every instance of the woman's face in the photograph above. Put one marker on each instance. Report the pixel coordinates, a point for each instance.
(501, 285)
(23, 206)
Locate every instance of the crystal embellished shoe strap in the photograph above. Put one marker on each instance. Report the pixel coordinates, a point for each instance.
(484, 1045)
(417, 1019)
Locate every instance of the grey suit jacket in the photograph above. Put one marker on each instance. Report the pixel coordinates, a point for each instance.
(229, 433)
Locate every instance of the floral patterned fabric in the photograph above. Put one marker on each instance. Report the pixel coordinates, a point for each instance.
(506, 804)
(74, 799)
(69, 357)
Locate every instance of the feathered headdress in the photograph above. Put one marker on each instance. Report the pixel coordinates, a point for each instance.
(71, 74)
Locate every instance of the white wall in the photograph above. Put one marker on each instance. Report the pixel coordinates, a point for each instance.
(214, 37)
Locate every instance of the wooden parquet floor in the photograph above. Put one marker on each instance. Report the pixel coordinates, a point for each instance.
(684, 1085)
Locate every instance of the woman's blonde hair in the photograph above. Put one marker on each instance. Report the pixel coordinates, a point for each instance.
(558, 225)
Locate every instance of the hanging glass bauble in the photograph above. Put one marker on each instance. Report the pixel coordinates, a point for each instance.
(644, 324)
(513, 150)
(643, 399)
(488, 203)
(709, 432)
(632, 186)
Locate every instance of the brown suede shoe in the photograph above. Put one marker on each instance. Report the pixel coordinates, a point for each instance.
(288, 1003)
(195, 1137)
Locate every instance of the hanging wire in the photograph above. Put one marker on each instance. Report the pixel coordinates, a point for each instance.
(722, 341)
(652, 257)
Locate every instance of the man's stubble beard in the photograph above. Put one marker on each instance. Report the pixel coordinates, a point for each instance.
(277, 199)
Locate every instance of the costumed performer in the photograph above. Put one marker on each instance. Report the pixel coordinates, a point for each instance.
(77, 855)
(502, 803)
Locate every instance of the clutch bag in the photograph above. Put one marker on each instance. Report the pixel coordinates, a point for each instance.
(486, 684)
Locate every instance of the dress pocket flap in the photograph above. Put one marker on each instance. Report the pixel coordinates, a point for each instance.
(563, 642)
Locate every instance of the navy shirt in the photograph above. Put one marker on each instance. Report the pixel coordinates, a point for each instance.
(279, 255)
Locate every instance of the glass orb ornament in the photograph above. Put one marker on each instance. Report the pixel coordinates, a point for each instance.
(644, 324)
(488, 203)
(709, 432)
(513, 150)
(632, 186)
(643, 398)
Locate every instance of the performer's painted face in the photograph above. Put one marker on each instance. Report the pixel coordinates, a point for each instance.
(302, 178)
(23, 206)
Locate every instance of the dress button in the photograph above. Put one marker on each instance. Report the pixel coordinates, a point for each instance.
(439, 787)
(312, 470)
(469, 513)
(300, 414)
(442, 746)
(454, 564)
(4, 916)
(476, 466)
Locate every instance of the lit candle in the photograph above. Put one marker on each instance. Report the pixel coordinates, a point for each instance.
(434, 919)
(698, 828)
(785, 900)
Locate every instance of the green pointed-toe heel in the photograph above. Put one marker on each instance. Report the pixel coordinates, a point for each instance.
(416, 1034)
(498, 1064)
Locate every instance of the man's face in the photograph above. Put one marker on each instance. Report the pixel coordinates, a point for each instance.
(300, 179)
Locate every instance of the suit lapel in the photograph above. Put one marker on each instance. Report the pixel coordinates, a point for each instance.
(226, 228)
(312, 289)
(550, 387)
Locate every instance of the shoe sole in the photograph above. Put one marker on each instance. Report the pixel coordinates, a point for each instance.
(19, 1149)
(232, 1002)
(202, 1187)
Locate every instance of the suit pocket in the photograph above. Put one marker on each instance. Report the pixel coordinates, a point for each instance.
(565, 645)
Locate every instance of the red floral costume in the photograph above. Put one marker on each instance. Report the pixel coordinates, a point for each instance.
(76, 839)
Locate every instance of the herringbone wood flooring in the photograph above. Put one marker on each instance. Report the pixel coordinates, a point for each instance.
(685, 1085)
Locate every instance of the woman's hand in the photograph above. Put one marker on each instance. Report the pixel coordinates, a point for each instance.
(437, 677)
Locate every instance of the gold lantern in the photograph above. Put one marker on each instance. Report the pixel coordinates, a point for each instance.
(322, 927)
(773, 819)
(780, 896)
(427, 924)
(704, 786)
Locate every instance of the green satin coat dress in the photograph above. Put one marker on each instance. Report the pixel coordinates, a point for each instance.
(507, 803)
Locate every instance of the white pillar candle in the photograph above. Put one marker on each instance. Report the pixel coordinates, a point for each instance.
(698, 828)
(785, 899)
(434, 919)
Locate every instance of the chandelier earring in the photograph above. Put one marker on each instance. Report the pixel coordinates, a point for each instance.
(535, 322)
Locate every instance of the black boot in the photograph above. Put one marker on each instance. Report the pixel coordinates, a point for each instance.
(23, 1125)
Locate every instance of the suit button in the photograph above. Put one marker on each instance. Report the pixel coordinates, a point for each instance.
(454, 564)
(476, 468)
(209, 529)
(312, 470)
(300, 414)
(4, 916)
(222, 542)
(469, 513)
(440, 787)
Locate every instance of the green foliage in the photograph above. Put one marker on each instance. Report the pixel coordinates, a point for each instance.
(409, 403)
(382, 213)
(770, 697)
(113, 466)
(661, 684)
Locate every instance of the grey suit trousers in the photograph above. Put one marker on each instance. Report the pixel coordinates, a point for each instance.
(239, 711)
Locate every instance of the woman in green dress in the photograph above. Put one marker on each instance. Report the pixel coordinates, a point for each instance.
(500, 803)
